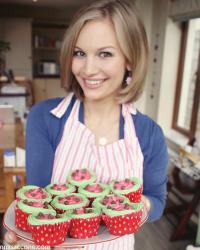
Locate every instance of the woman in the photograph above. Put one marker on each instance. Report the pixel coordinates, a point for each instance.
(103, 68)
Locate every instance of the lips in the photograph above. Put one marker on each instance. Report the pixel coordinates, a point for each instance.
(93, 83)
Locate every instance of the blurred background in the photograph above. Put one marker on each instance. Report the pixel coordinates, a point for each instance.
(31, 33)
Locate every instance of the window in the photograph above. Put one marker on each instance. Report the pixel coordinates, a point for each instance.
(188, 81)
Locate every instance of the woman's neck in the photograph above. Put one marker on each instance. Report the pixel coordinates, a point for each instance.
(101, 109)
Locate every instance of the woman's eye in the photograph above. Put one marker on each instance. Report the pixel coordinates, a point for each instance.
(79, 53)
(105, 54)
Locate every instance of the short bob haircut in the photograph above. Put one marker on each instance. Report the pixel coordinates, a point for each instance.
(132, 39)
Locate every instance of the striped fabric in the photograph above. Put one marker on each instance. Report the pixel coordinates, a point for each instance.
(119, 160)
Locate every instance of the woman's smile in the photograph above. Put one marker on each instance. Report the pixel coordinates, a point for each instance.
(98, 63)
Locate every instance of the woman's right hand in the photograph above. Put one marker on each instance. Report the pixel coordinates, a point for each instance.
(10, 238)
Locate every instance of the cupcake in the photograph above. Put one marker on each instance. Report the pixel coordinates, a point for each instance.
(65, 203)
(60, 189)
(94, 190)
(33, 192)
(109, 200)
(122, 219)
(24, 208)
(48, 229)
(131, 188)
(85, 223)
(82, 177)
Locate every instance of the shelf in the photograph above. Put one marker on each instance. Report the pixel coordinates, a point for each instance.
(47, 48)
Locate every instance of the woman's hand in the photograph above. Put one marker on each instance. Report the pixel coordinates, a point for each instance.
(146, 202)
(10, 238)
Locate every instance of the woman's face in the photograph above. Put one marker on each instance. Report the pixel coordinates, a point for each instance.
(98, 63)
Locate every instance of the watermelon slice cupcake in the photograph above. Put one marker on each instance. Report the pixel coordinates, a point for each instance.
(109, 200)
(82, 177)
(85, 223)
(65, 203)
(48, 229)
(60, 189)
(94, 190)
(33, 192)
(131, 188)
(24, 208)
(122, 219)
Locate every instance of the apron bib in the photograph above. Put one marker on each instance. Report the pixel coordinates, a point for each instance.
(118, 160)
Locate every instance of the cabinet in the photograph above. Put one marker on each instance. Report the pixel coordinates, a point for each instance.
(17, 31)
(46, 44)
(45, 88)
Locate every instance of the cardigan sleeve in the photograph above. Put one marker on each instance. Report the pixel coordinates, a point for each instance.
(155, 172)
(39, 149)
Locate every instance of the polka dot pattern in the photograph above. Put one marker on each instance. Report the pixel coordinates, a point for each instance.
(50, 235)
(125, 224)
(21, 219)
(84, 228)
(135, 196)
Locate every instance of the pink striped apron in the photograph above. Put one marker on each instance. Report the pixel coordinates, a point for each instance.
(118, 160)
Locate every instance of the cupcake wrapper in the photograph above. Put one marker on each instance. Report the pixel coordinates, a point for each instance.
(123, 224)
(51, 234)
(84, 228)
(21, 219)
(135, 196)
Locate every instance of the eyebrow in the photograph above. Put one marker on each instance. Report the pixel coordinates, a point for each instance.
(102, 48)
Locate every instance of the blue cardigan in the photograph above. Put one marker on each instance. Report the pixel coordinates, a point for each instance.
(44, 132)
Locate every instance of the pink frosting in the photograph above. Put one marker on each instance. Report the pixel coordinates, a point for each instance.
(112, 199)
(80, 210)
(34, 203)
(46, 216)
(83, 210)
(125, 184)
(121, 207)
(81, 174)
(59, 187)
(36, 193)
(70, 200)
(95, 188)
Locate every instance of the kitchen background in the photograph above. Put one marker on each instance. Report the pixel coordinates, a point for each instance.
(34, 31)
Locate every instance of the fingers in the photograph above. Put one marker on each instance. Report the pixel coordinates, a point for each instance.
(10, 238)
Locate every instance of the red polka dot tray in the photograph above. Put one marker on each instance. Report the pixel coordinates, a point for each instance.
(103, 234)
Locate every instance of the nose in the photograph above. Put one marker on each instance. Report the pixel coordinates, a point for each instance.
(90, 66)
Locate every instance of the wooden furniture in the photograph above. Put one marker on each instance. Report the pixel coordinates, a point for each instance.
(7, 186)
(185, 185)
(45, 88)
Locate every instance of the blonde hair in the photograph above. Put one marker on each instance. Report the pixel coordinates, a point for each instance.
(131, 36)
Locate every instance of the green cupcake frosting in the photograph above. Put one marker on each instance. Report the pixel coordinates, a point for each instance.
(21, 193)
(97, 203)
(69, 190)
(136, 208)
(82, 183)
(136, 186)
(55, 202)
(95, 212)
(30, 209)
(88, 194)
(33, 220)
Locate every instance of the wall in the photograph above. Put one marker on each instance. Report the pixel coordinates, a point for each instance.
(169, 74)
(146, 11)
(18, 33)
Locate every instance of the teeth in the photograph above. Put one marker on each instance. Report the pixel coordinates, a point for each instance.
(94, 82)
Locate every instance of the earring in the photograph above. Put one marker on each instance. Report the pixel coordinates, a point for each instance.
(128, 78)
